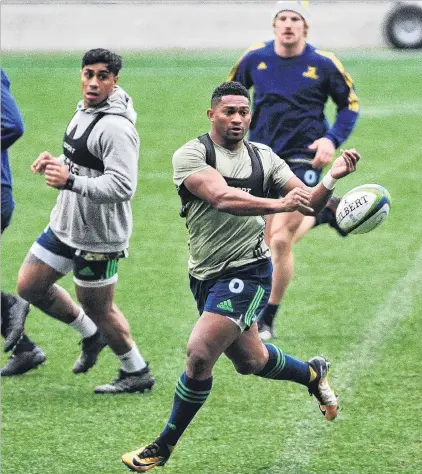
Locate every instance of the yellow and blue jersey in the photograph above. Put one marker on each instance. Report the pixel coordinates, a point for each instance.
(290, 96)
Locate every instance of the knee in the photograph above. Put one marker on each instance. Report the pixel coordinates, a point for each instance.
(198, 362)
(281, 241)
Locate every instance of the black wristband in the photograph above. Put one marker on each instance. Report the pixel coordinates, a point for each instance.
(69, 183)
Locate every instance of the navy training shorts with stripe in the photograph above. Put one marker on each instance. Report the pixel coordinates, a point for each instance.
(90, 269)
(240, 293)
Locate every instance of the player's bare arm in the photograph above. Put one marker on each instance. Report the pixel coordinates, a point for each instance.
(210, 186)
(320, 194)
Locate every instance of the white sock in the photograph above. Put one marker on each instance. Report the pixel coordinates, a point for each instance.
(132, 361)
(84, 325)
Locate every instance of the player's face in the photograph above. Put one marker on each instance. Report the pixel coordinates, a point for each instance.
(97, 83)
(290, 28)
(231, 118)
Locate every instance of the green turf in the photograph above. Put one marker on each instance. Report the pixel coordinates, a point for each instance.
(356, 300)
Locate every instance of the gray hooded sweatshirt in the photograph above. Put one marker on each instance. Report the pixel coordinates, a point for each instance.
(96, 214)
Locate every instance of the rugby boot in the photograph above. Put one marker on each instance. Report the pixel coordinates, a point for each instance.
(91, 347)
(22, 362)
(17, 312)
(129, 382)
(146, 458)
(320, 388)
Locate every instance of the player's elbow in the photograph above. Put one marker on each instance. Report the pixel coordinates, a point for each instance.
(124, 190)
(19, 129)
(218, 200)
(115, 196)
(16, 129)
(223, 202)
(125, 195)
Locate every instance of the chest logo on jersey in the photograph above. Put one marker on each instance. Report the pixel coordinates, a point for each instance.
(68, 147)
(311, 73)
(262, 66)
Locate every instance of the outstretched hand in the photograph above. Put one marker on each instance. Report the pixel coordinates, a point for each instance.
(345, 164)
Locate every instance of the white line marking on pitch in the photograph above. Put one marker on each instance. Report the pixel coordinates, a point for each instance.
(360, 357)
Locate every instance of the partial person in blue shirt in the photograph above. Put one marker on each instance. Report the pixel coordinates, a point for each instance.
(26, 355)
(292, 83)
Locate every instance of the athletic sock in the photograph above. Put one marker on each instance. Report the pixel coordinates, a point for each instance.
(24, 345)
(189, 397)
(282, 366)
(132, 361)
(84, 325)
(268, 314)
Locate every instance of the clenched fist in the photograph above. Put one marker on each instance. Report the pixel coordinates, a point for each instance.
(56, 174)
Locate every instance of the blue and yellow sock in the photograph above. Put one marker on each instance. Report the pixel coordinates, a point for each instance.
(281, 366)
(189, 397)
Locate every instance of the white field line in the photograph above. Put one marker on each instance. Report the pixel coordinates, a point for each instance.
(360, 357)
(392, 110)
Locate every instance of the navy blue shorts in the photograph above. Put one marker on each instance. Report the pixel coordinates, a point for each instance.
(304, 171)
(240, 294)
(302, 168)
(7, 206)
(90, 269)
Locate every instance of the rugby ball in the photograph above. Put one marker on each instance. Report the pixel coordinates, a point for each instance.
(363, 209)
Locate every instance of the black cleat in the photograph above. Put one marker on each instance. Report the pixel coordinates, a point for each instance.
(17, 316)
(91, 347)
(129, 382)
(22, 362)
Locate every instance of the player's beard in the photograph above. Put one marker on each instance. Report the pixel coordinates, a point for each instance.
(235, 138)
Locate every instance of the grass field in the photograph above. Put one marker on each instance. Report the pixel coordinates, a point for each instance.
(356, 300)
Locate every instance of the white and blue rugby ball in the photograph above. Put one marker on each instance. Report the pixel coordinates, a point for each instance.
(363, 209)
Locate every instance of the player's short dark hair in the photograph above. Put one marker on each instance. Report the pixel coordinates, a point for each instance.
(228, 88)
(100, 55)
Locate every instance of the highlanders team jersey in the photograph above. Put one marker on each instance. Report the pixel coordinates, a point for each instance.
(290, 96)
(217, 240)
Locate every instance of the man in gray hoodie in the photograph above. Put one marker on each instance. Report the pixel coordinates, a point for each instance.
(91, 223)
